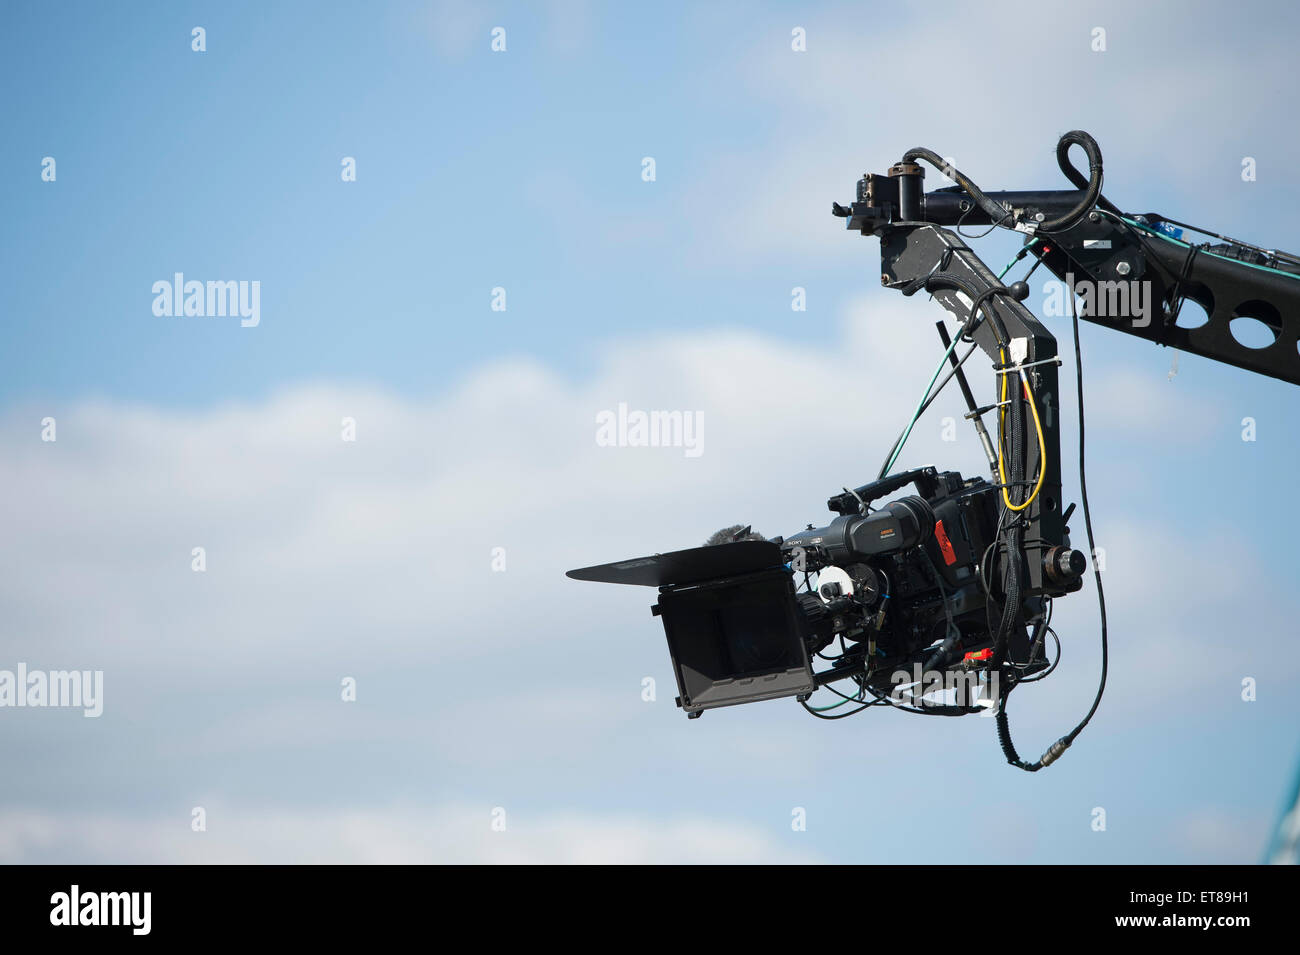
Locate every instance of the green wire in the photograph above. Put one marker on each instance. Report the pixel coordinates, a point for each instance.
(935, 377)
(833, 706)
(1019, 255)
(916, 415)
(1187, 245)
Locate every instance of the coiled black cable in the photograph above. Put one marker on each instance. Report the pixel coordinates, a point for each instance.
(998, 214)
(1077, 137)
(1078, 179)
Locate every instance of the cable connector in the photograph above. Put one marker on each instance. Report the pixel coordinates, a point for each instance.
(1054, 752)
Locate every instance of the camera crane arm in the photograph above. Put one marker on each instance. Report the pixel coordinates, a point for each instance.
(1126, 266)
(1149, 260)
(956, 582)
(921, 256)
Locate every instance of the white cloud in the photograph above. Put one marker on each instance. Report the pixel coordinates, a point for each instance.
(456, 27)
(991, 86)
(405, 836)
(373, 559)
(316, 546)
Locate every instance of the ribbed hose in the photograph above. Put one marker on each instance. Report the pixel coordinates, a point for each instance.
(995, 212)
(1008, 747)
(1077, 137)
(1011, 596)
(1078, 179)
(1011, 604)
(998, 214)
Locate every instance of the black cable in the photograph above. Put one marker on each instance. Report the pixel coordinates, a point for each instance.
(1011, 588)
(837, 716)
(984, 301)
(1078, 179)
(952, 633)
(1175, 303)
(1004, 731)
(1087, 520)
(988, 231)
(1048, 672)
(947, 378)
(995, 212)
(1040, 626)
(850, 699)
(944, 709)
(998, 214)
(844, 696)
(1014, 532)
(1077, 137)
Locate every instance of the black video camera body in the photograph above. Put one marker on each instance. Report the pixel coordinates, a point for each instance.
(910, 587)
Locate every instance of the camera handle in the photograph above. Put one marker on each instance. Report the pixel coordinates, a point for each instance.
(856, 501)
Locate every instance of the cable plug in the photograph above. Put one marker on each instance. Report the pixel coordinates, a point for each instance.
(1054, 752)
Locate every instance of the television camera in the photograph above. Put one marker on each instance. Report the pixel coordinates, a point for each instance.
(940, 601)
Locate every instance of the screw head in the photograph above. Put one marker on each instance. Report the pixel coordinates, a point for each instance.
(1123, 268)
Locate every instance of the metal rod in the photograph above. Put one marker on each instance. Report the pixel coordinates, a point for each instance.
(973, 408)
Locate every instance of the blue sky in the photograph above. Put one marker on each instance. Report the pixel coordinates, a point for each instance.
(522, 170)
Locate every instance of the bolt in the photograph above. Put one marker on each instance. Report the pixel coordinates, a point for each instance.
(1123, 268)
